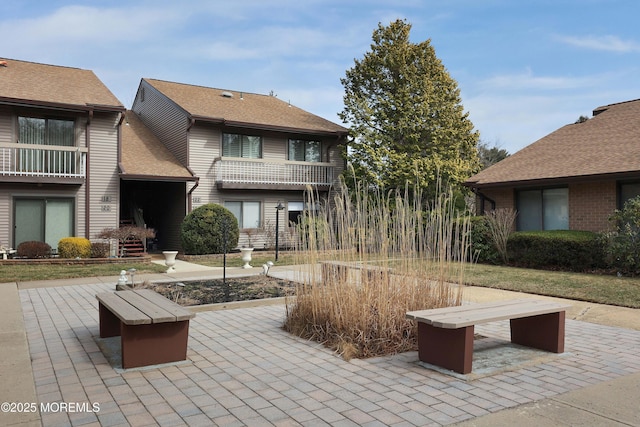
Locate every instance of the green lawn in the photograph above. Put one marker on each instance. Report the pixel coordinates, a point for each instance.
(24, 273)
(603, 289)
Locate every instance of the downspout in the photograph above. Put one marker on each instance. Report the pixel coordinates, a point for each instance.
(483, 197)
(197, 182)
(122, 117)
(87, 197)
(192, 122)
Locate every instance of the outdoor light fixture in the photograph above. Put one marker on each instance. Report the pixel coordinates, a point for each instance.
(279, 207)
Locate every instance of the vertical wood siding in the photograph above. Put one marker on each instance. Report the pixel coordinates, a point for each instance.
(165, 119)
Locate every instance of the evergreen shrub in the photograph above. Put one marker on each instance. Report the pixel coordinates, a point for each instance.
(622, 246)
(556, 249)
(74, 247)
(203, 230)
(482, 247)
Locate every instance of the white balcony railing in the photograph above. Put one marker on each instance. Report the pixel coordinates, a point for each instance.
(29, 160)
(269, 172)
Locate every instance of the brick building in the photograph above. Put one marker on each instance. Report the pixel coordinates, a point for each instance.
(571, 179)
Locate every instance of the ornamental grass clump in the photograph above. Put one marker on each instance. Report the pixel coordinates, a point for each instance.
(407, 254)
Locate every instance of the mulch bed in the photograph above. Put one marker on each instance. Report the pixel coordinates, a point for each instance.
(233, 289)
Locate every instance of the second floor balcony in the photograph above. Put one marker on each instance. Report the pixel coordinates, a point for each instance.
(241, 173)
(42, 163)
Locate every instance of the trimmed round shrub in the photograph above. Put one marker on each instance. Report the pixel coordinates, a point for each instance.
(203, 230)
(100, 250)
(33, 249)
(74, 247)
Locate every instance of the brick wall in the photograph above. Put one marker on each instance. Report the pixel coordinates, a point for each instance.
(591, 205)
(502, 197)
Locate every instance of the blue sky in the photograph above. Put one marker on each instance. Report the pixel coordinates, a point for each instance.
(524, 67)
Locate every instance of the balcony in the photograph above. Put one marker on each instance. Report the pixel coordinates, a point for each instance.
(237, 173)
(42, 163)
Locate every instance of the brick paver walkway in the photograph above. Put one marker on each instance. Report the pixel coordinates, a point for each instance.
(245, 370)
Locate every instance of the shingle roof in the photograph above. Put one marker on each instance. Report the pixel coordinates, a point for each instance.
(51, 84)
(243, 108)
(608, 143)
(143, 155)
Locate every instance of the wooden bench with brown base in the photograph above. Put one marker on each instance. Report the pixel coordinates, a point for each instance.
(152, 329)
(445, 335)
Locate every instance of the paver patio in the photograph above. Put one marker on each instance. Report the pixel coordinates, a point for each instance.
(244, 369)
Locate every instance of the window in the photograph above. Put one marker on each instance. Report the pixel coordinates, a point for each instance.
(627, 192)
(234, 145)
(46, 131)
(546, 209)
(43, 220)
(304, 151)
(247, 213)
(39, 131)
(297, 210)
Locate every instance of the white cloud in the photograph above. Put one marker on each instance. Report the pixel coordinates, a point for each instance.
(527, 80)
(606, 43)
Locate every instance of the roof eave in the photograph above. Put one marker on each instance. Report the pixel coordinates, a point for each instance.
(164, 178)
(551, 181)
(267, 127)
(60, 106)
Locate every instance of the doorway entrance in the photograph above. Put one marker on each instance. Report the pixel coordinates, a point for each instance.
(43, 220)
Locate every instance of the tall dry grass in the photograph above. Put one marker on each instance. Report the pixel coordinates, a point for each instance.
(406, 253)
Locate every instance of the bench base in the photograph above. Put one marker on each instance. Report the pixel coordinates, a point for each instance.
(453, 348)
(148, 344)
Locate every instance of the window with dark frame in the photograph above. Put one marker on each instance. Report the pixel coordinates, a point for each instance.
(302, 150)
(543, 209)
(46, 131)
(245, 146)
(626, 192)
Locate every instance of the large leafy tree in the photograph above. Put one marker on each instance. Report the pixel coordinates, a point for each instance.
(406, 116)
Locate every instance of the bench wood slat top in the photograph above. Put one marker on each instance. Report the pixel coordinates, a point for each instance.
(473, 314)
(143, 307)
(157, 314)
(127, 313)
(180, 313)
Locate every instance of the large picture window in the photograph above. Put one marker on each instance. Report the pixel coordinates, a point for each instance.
(546, 209)
(43, 220)
(304, 151)
(234, 145)
(247, 213)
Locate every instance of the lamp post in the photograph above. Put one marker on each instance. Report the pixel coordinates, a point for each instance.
(279, 207)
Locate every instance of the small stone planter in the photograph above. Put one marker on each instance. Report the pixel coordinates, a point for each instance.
(246, 256)
(170, 260)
